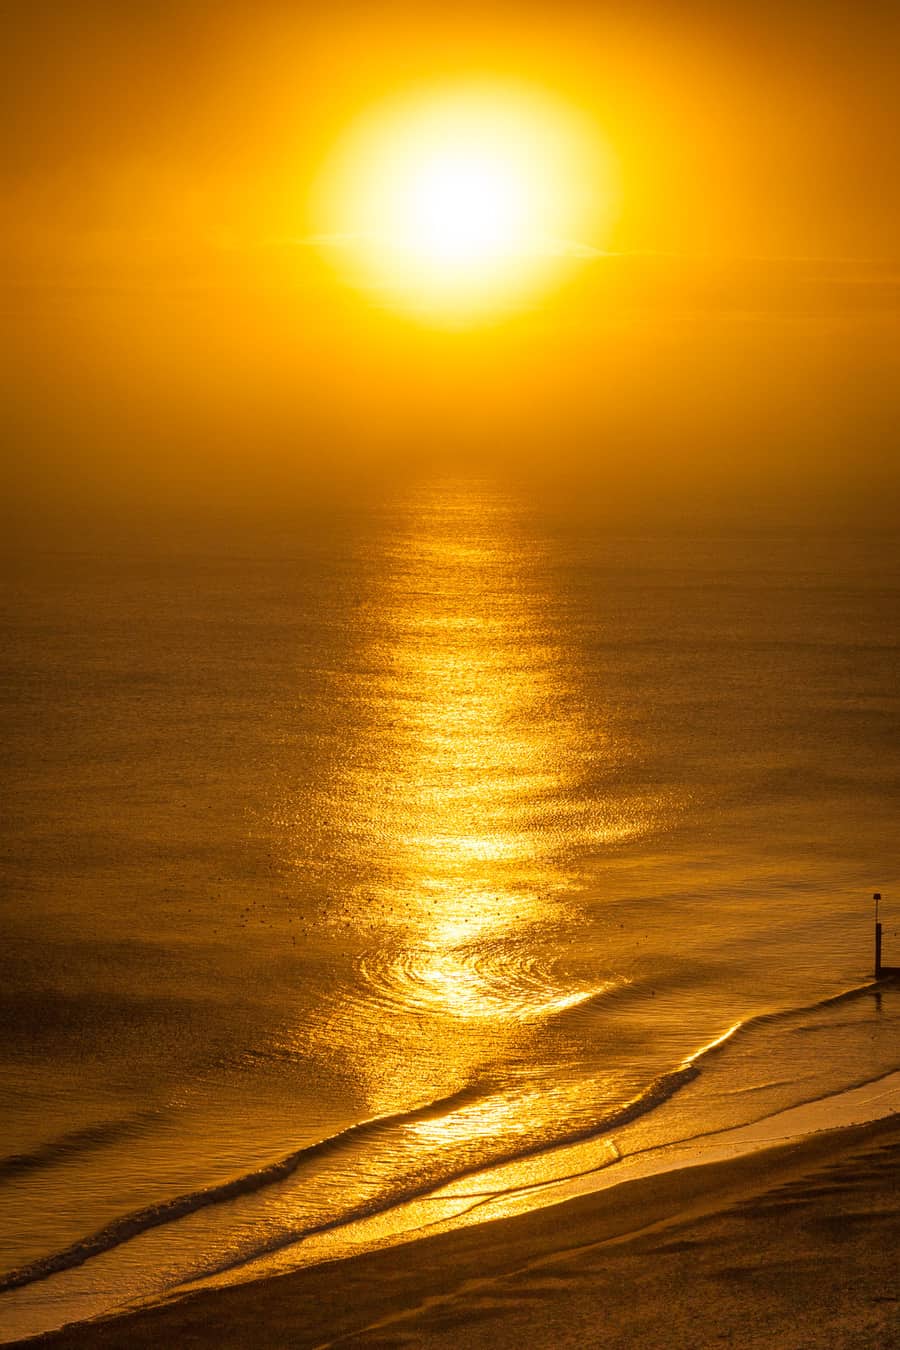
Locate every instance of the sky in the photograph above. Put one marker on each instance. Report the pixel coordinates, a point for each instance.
(184, 333)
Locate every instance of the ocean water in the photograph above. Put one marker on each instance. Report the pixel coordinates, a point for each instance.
(346, 863)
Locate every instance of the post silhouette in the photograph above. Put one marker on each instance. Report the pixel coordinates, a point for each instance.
(876, 897)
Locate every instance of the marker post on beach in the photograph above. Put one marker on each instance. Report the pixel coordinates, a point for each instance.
(876, 897)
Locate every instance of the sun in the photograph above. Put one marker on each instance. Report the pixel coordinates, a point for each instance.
(464, 199)
(463, 206)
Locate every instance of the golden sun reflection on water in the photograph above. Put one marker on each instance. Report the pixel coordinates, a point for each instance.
(465, 802)
(489, 735)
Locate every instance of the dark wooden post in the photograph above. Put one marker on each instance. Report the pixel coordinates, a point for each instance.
(876, 897)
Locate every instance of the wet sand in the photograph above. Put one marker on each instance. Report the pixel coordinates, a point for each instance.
(791, 1248)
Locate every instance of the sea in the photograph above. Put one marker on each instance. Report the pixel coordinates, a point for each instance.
(413, 840)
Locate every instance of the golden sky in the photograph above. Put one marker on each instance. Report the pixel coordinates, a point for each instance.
(726, 319)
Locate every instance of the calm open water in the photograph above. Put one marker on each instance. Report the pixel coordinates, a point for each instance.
(345, 864)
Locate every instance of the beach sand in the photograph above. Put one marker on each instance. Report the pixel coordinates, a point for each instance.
(792, 1247)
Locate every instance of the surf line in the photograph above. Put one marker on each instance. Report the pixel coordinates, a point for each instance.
(153, 1216)
(132, 1225)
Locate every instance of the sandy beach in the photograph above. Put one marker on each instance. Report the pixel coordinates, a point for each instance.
(791, 1247)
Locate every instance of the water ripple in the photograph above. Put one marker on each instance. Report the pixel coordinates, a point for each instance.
(473, 980)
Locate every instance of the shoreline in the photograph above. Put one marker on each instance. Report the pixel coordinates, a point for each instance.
(561, 1260)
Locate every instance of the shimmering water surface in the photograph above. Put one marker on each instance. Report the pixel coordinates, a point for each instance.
(346, 864)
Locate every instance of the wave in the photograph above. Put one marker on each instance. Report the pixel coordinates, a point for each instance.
(744, 1025)
(139, 1221)
(132, 1225)
(73, 1143)
(659, 1091)
(152, 1216)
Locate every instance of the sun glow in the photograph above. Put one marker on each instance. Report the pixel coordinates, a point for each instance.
(465, 199)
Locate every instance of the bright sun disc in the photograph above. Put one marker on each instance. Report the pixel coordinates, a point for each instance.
(463, 207)
(465, 199)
